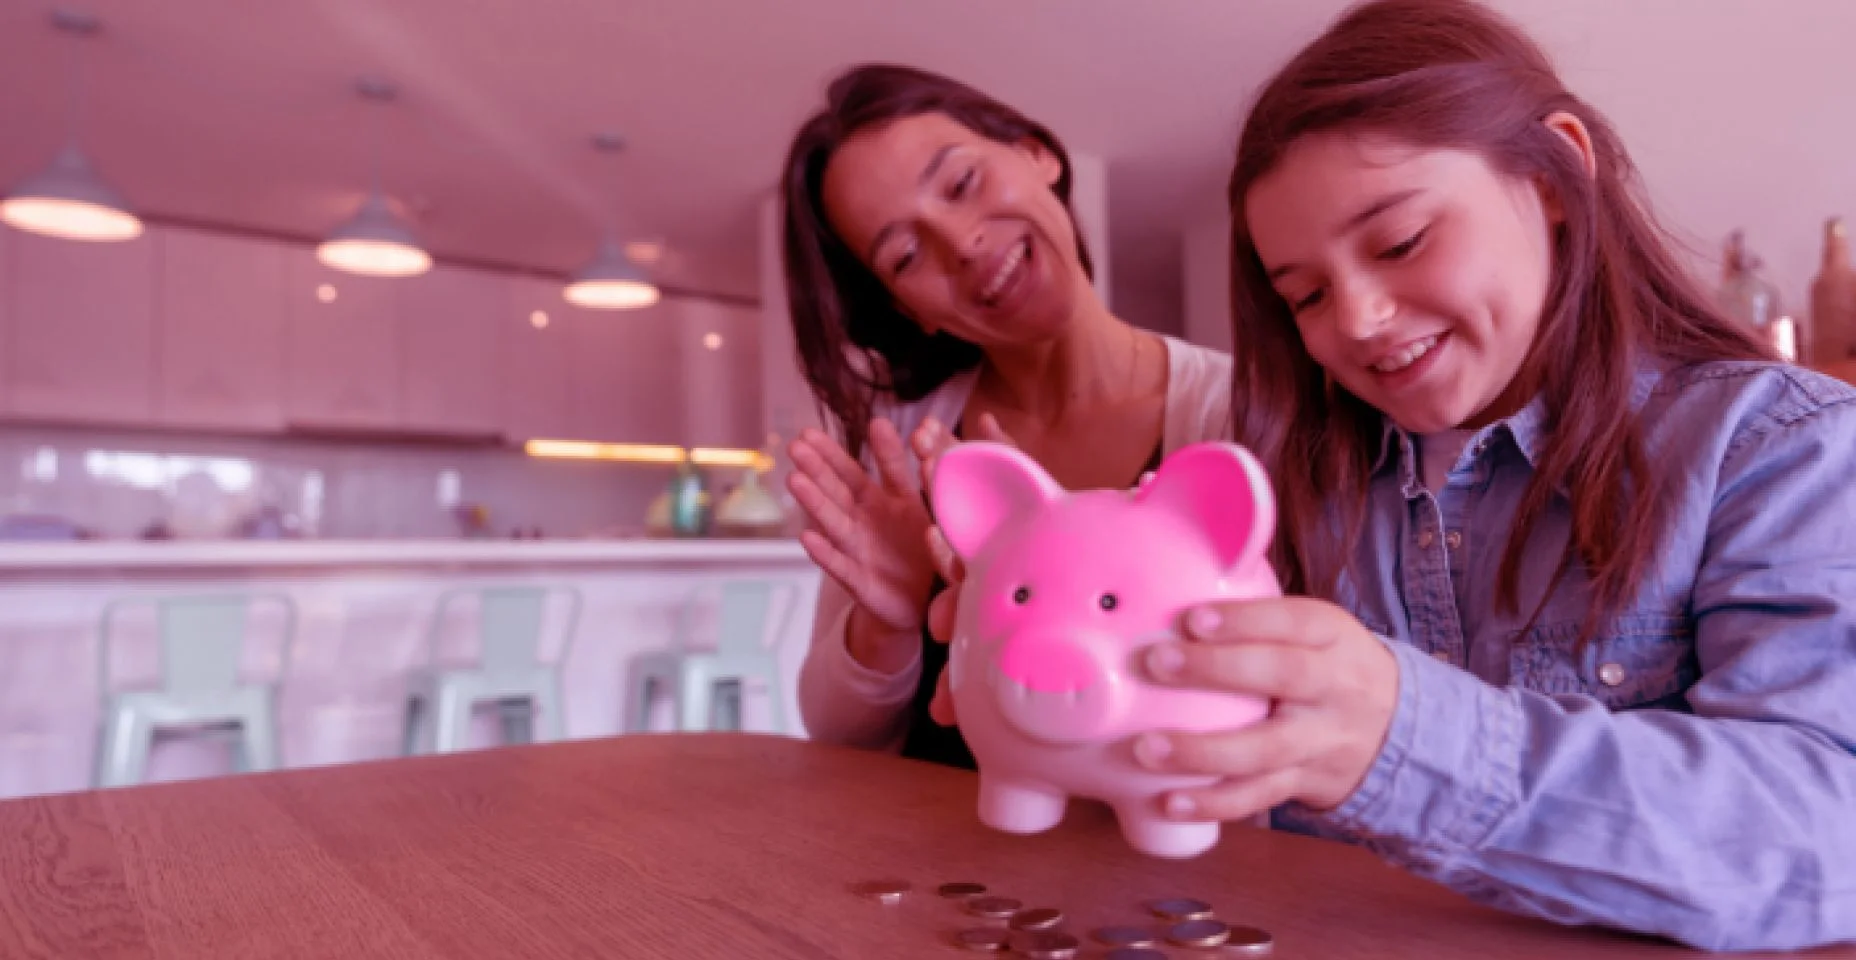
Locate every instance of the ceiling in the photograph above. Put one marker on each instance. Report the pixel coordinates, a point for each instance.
(242, 113)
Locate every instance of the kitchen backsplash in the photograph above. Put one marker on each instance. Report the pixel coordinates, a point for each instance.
(119, 484)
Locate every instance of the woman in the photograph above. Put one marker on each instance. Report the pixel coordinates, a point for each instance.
(1575, 557)
(939, 288)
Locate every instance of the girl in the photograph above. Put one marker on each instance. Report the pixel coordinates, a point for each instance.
(928, 231)
(1576, 559)
(1578, 633)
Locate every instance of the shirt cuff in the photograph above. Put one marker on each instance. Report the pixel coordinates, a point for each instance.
(1448, 773)
(867, 685)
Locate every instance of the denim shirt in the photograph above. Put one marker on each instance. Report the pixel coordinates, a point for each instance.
(1691, 775)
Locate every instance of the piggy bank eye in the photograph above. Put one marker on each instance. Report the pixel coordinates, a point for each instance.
(1109, 601)
(1021, 595)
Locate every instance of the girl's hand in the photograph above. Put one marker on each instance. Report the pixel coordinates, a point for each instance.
(1332, 686)
(867, 533)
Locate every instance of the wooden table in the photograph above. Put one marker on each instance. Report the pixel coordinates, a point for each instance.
(698, 846)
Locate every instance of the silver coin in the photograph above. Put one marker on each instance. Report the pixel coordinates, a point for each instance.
(1179, 909)
(983, 939)
(997, 908)
(961, 891)
(1249, 942)
(1126, 936)
(1199, 933)
(1134, 953)
(882, 891)
(1042, 918)
(1045, 945)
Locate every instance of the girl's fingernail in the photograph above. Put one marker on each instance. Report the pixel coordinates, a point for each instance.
(1153, 749)
(1165, 659)
(1180, 805)
(1205, 620)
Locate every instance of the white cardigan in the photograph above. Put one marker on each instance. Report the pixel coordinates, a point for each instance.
(844, 702)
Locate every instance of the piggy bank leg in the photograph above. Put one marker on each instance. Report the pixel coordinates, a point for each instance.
(1155, 835)
(1018, 806)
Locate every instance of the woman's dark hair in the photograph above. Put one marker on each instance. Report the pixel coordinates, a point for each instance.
(1452, 74)
(836, 302)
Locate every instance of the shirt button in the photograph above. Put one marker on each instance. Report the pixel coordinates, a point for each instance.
(1425, 539)
(1453, 539)
(1611, 674)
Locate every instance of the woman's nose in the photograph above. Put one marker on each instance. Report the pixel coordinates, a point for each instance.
(962, 236)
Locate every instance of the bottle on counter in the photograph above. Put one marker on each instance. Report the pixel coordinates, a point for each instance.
(689, 501)
(1833, 303)
(1753, 300)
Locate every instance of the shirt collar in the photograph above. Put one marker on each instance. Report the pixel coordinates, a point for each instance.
(1527, 428)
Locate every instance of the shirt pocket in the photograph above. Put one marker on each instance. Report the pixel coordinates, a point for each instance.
(1643, 661)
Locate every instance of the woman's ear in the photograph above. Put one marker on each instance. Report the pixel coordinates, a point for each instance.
(1044, 158)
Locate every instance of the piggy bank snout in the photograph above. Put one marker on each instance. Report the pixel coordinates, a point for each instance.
(1047, 661)
(1060, 686)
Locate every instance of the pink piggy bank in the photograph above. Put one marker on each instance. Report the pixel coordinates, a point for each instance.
(1063, 593)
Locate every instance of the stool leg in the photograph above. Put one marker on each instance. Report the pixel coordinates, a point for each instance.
(451, 718)
(518, 719)
(418, 713)
(644, 684)
(549, 725)
(695, 688)
(259, 738)
(128, 737)
(776, 714)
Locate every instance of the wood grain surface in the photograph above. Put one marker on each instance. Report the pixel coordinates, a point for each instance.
(662, 846)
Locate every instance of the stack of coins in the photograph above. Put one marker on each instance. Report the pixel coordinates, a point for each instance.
(1036, 933)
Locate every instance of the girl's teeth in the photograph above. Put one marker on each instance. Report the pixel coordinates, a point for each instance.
(1406, 357)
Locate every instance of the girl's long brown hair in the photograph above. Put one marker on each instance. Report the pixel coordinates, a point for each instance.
(1452, 74)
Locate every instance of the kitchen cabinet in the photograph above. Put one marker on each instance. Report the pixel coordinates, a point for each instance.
(342, 350)
(624, 375)
(719, 347)
(451, 325)
(202, 330)
(82, 329)
(536, 402)
(221, 331)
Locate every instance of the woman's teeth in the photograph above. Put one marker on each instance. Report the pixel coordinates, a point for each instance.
(1007, 269)
(1406, 357)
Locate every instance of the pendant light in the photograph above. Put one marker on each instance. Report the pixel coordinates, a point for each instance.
(376, 242)
(611, 281)
(68, 199)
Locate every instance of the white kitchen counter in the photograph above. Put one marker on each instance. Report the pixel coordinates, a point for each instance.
(367, 611)
(29, 558)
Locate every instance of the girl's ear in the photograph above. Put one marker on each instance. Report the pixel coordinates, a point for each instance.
(1572, 130)
(1577, 137)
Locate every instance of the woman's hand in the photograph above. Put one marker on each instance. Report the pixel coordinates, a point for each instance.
(868, 533)
(930, 441)
(1332, 687)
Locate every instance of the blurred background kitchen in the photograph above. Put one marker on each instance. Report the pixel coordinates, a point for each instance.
(363, 362)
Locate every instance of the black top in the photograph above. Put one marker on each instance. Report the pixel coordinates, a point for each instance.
(928, 740)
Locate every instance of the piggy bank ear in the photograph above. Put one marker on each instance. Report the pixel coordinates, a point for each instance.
(979, 486)
(1223, 491)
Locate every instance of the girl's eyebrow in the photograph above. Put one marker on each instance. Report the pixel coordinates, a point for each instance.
(1372, 210)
